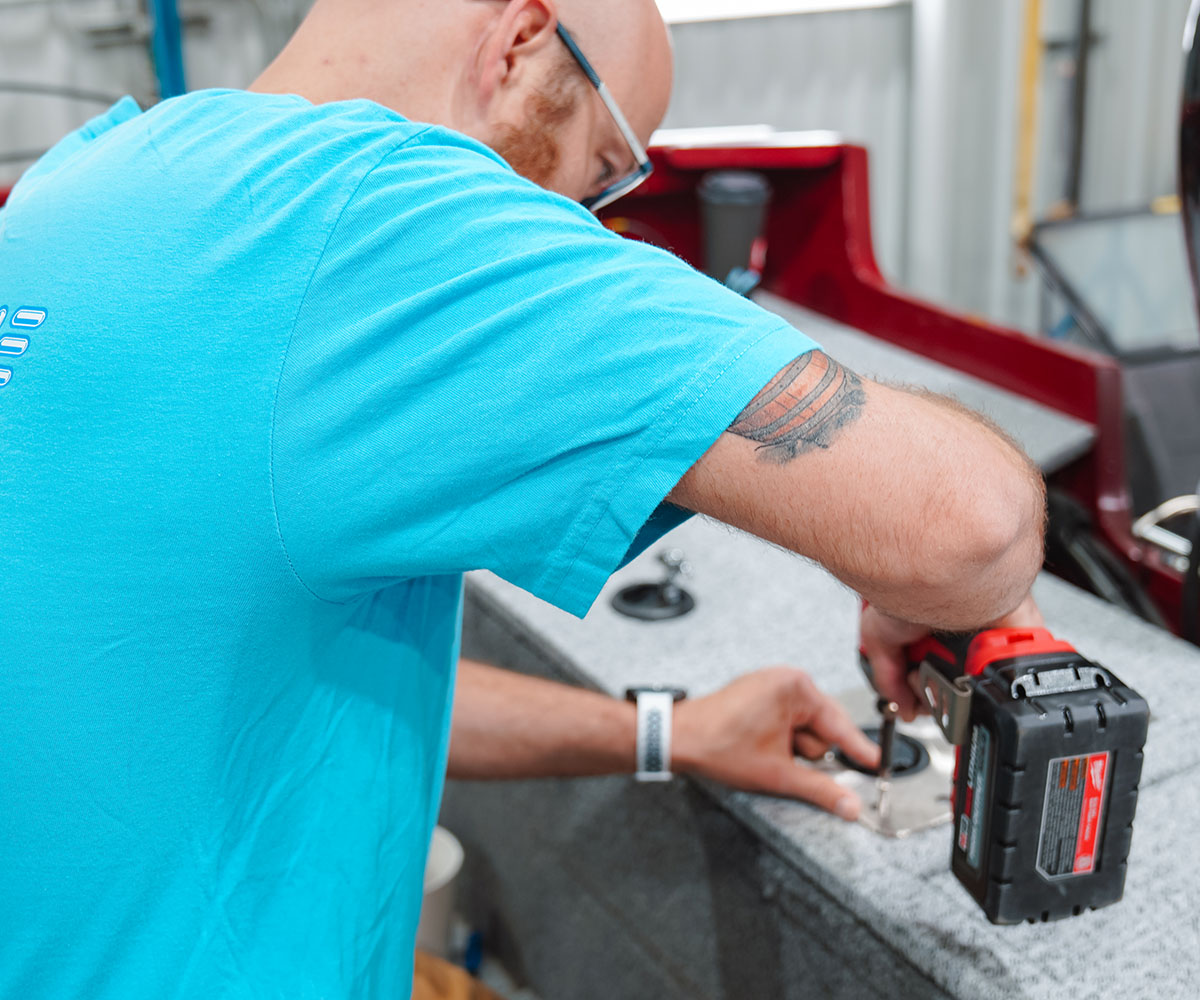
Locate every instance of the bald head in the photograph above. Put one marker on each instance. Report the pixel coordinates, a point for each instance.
(496, 70)
(627, 42)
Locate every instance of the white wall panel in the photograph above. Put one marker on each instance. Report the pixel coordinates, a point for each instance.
(968, 258)
(845, 70)
(963, 148)
(61, 43)
(101, 45)
(1131, 132)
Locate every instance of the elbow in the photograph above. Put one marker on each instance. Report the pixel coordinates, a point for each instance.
(1006, 543)
(1012, 544)
(982, 552)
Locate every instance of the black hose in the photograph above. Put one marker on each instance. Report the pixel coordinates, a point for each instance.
(1189, 600)
(22, 155)
(55, 90)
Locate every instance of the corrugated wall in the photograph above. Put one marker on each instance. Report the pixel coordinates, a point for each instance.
(929, 86)
(1133, 102)
(845, 70)
(101, 45)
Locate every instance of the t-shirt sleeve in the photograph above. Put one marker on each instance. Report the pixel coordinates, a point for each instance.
(481, 376)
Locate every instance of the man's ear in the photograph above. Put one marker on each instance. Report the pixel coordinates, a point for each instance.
(520, 32)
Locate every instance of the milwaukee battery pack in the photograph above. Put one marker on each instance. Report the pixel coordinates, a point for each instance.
(1049, 759)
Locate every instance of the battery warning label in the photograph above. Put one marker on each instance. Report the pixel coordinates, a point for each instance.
(971, 819)
(1069, 840)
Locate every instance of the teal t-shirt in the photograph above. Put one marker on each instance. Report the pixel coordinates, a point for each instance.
(272, 377)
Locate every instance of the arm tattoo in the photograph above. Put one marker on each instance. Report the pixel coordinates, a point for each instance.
(802, 408)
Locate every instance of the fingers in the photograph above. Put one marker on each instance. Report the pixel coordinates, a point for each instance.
(821, 790)
(809, 746)
(882, 640)
(823, 722)
(1026, 615)
(893, 680)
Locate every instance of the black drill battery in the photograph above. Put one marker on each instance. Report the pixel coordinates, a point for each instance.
(1049, 759)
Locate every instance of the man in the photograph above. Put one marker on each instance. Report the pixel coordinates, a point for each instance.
(305, 355)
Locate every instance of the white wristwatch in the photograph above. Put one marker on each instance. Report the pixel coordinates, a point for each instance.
(655, 707)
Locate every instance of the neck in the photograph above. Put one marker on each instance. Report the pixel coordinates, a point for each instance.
(342, 53)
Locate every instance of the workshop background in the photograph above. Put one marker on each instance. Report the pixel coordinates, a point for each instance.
(983, 119)
(932, 87)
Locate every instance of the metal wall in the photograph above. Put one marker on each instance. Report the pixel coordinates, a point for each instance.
(61, 44)
(102, 46)
(848, 71)
(967, 122)
(1130, 128)
(930, 86)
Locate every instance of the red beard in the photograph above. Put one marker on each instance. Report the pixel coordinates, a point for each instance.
(531, 148)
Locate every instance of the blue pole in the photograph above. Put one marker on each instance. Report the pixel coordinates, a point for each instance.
(167, 47)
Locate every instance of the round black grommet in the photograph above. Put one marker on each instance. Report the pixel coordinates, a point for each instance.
(653, 602)
(908, 755)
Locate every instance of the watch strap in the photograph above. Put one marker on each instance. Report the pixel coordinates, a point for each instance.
(654, 717)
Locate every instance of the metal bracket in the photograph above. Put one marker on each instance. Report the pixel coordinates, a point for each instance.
(949, 701)
(1148, 528)
(1060, 680)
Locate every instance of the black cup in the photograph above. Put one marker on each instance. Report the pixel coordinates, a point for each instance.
(733, 210)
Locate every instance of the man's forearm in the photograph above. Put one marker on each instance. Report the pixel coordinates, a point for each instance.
(913, 501)
(509, 725)
(745, 735)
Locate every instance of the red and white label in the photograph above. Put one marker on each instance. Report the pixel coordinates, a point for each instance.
(1073, 814)
(1089, 814)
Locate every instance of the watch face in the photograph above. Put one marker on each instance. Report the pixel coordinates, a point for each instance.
(676, 693)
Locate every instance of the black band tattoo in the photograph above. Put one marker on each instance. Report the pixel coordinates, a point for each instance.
(802, 408)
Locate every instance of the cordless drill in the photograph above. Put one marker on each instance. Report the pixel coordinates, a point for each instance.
(1049, 754)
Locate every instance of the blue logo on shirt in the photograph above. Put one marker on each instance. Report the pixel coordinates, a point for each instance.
(28, 319)
(13, 345)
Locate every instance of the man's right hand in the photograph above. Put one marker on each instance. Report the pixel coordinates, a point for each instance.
(883, 639)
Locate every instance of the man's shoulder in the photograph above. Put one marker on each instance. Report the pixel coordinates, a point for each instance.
(205, 149)
(246, 129)
(288, 152)
(293, 127)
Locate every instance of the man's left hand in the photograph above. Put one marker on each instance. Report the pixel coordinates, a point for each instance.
(747, 735)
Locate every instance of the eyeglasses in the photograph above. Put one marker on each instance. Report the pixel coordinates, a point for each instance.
(643, 167)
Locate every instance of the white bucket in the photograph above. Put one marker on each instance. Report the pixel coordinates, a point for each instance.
(441, 872)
